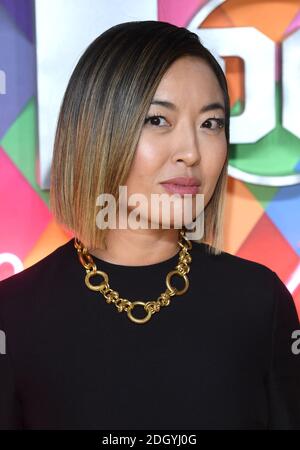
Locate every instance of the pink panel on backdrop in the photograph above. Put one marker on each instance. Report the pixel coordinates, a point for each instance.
(295, 24)
(265, 244)
(26, 215)
(178, 12)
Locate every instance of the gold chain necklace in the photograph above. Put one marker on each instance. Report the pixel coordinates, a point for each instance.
(122, 304)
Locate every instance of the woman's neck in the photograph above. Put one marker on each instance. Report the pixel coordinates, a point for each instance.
(138, 247)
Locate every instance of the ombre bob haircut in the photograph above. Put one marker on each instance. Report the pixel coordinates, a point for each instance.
(101, 118)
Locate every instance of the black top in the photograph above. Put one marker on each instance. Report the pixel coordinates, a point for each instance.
(218, 357)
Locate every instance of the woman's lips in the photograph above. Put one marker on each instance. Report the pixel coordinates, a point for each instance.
(180, 189)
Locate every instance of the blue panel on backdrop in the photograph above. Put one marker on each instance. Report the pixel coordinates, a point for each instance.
(285, 213)
(17, 60)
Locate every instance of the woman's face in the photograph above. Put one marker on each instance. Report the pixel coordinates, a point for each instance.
(185, 139)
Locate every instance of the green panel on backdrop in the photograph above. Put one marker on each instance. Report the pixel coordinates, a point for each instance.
(20, 144)
(263, 194)
(277, 153)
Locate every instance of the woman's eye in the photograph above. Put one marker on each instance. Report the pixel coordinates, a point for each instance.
(154, 120)
(211, 124)
(214, 123)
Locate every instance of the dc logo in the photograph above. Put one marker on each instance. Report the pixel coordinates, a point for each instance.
(265, 126)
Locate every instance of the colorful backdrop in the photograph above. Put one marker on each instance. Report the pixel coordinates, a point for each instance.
(262, 222)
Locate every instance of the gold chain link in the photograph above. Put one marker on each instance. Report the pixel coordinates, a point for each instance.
(122, 304)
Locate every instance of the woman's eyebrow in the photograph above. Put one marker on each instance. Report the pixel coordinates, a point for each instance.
(205, 108)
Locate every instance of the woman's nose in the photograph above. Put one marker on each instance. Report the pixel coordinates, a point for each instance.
(186, 147)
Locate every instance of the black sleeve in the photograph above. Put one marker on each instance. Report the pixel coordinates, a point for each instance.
(10, 406)
(284, 375)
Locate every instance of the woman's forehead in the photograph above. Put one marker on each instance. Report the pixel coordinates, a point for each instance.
(188, 79)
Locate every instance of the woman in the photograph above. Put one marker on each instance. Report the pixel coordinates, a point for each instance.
(144, 328)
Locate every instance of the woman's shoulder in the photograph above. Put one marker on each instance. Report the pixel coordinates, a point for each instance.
(37, 278)
(247, 280)
(231, 265)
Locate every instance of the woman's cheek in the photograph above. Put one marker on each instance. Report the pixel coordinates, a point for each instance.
(145, 155)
